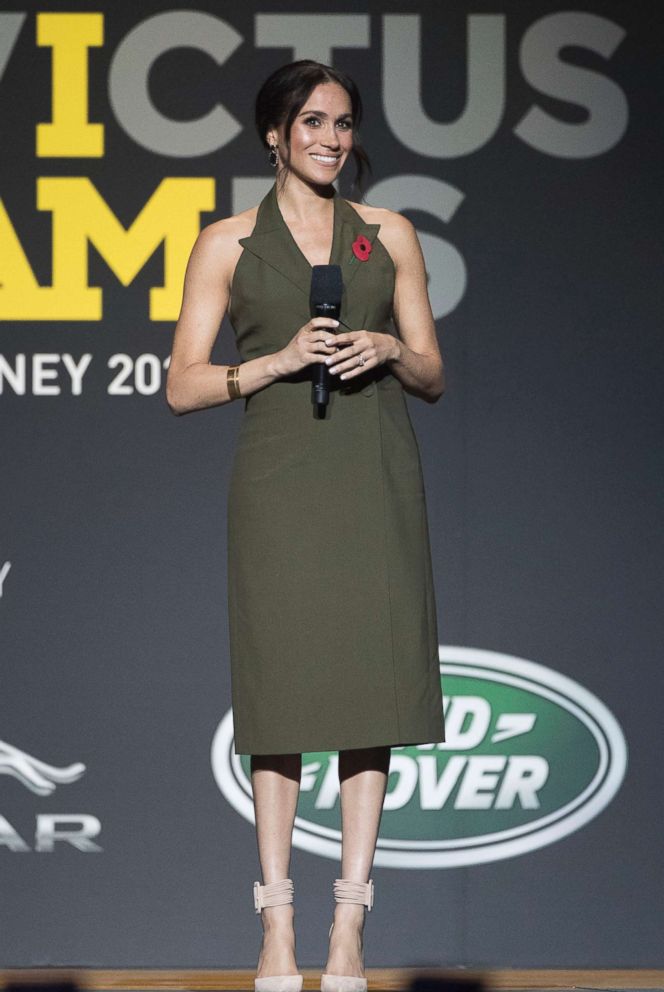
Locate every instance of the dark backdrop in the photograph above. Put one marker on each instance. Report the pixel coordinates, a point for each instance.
(524, 142)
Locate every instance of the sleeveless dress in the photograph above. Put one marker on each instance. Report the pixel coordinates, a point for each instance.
(332, 615)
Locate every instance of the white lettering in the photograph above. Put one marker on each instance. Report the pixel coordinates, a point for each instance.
(76, 371)
(45, 367)
(50, 828)
(525, 775)
(477, 712)
(15, 377)
(406, 771)
(606, 107)
(312, 36)
(512, 725)
(4, 571)
(445, 266)
(129, 92)
(10, 28)
(485, 87)
(40, 373)
(10, 837)
(481, 778)
(434, 791)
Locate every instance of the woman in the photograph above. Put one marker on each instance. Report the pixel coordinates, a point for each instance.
(332, 620)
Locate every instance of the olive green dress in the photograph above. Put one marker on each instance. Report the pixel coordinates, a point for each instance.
(332, 614)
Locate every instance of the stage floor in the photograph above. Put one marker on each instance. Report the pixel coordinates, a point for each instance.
(392, 979)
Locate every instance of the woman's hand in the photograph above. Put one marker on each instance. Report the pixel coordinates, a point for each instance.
(374, 347)
(307, 346)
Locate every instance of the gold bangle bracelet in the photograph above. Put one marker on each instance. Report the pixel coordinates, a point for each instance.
(232, 382)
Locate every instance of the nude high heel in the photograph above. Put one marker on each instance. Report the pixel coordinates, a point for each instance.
(275, 894)
(347, 891)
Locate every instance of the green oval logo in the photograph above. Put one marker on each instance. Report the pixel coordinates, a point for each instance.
(530, 757)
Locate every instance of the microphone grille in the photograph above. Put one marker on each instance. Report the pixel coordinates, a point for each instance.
(326, 285)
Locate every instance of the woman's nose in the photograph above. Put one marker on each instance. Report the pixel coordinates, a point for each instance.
(330, 137)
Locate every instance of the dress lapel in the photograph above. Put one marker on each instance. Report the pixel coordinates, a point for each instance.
(272, 241)
(351, 227)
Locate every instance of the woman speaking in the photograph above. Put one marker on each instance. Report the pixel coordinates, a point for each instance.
(332, 615)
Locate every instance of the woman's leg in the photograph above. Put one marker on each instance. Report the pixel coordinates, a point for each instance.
(363, 781)
(275, 780)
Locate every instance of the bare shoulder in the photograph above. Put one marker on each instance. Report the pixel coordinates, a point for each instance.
(217, 246)
(397, 233)
(225, 233)
(373, 215)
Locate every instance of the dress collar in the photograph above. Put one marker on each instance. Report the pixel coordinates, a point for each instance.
(272, 241)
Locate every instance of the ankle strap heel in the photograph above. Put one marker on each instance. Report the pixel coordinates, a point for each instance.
(276, 894)
(358, 892)
(273, 894)
(361, 893)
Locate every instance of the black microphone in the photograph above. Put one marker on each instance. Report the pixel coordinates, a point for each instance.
(324, 301)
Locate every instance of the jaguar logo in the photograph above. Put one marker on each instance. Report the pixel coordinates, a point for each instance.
(36, 775)
(73, 829)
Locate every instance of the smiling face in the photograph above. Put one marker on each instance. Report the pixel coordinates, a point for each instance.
(321, 135)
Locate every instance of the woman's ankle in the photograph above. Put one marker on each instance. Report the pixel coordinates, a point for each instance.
(349, 914)
(277, 918)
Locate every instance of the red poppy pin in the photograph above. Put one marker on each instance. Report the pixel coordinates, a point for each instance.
(361, 248)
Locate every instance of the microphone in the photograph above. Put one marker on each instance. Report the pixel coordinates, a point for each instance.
(324, 301)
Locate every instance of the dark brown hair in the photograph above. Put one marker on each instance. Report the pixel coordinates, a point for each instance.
(285, 92)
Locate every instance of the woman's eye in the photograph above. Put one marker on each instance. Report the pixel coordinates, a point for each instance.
(346, 125)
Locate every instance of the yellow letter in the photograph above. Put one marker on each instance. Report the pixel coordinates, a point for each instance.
(70, 134)
(80, 216)
(19, 290)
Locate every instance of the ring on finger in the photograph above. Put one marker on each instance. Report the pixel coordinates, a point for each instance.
(360, 360)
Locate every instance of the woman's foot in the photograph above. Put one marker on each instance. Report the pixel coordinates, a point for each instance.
(345, 955)
(277, 953)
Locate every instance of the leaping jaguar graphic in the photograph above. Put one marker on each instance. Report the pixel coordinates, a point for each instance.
(36, 775)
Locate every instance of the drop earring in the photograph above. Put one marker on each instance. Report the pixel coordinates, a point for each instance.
(273, 156)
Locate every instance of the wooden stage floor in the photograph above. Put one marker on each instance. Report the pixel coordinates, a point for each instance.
(395, 979)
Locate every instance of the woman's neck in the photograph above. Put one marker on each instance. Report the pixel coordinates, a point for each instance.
(304, 202)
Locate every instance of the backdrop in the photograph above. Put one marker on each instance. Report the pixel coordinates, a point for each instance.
(523, 141)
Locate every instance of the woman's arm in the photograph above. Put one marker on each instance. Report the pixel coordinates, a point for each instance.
(414, 356)
(192, 382)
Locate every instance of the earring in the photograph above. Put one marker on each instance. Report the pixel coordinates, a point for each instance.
(273, 158)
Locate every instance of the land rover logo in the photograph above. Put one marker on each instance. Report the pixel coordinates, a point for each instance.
(530, 757)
